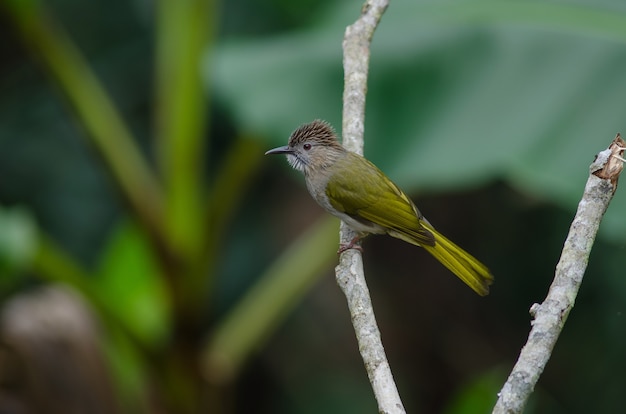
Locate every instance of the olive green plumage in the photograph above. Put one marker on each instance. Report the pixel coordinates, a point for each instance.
(355, 190)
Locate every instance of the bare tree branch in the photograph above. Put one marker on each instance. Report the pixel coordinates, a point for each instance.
(356, 57)
(351, 280)
(349, 273)
(550, 316)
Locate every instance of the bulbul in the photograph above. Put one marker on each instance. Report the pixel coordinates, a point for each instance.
(350, 187)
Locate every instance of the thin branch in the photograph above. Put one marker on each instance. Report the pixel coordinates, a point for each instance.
(349, 273)
(356, 57)
(351, 279)
(550, 316)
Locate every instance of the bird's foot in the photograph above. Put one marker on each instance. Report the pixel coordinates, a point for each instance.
(351, 245)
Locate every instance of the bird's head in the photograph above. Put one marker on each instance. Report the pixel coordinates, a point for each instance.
(312, 146)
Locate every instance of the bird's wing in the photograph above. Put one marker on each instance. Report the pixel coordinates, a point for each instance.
(370, 196)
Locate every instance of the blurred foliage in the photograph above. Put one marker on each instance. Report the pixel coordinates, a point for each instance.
(524, 91)
(129, 273)
(131, 142)
(17, 245)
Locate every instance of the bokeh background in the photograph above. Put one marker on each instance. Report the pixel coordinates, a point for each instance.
(152, 260)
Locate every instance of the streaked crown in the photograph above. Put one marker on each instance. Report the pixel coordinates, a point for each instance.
(318, 132)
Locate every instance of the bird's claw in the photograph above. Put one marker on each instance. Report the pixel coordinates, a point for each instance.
(350, 245)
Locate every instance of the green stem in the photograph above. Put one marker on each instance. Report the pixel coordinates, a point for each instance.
(183, 34)
(282, 286)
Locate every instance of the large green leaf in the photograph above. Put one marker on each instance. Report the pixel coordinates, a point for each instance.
(460, 92)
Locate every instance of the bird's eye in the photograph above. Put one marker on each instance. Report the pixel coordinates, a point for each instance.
(306, 147)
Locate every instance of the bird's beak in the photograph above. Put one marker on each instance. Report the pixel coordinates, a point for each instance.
(280, 150)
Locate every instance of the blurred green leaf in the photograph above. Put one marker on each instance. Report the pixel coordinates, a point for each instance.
(479, 395)
(129, 281)
(18, 243)
(295, 78)
(460, 93)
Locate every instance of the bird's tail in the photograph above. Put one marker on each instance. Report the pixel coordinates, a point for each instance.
(461, 263)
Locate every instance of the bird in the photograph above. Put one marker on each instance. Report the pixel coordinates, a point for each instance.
(352, 188)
